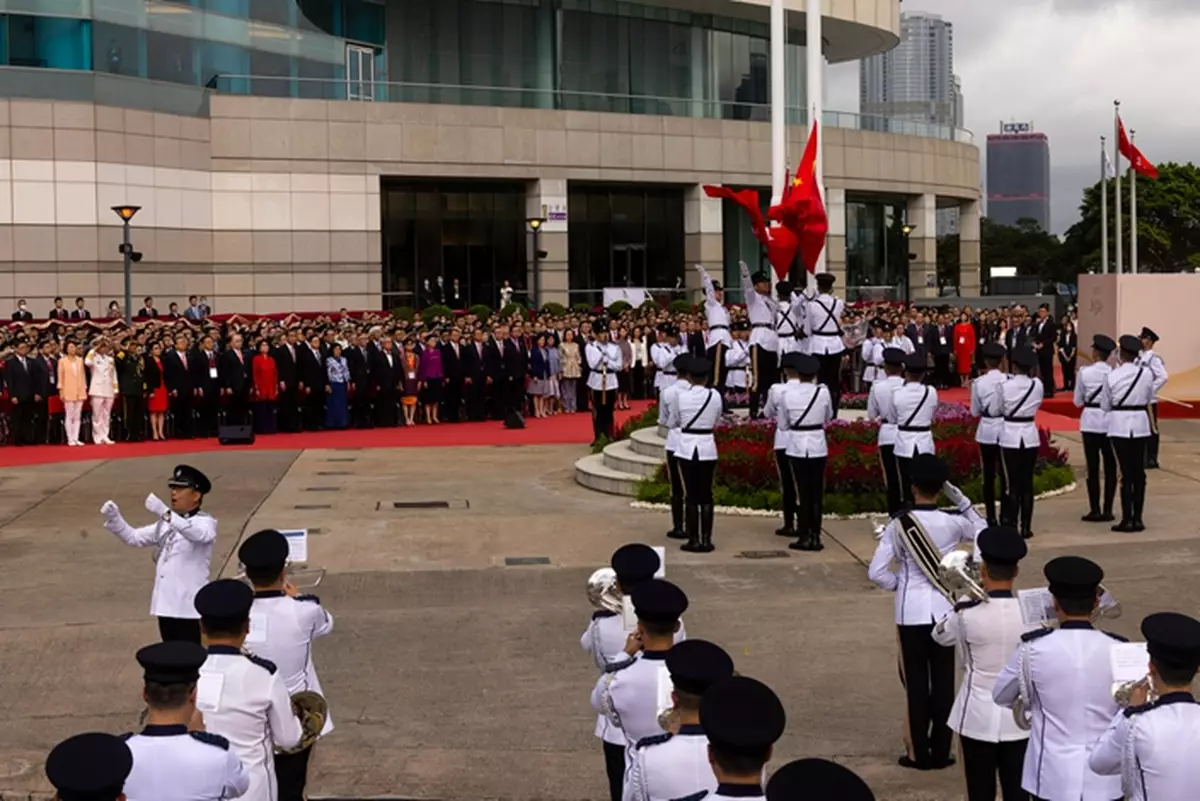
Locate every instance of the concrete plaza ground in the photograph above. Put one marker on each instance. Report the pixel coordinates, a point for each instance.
(454, 675)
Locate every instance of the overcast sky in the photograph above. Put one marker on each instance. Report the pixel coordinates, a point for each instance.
(1059, 64)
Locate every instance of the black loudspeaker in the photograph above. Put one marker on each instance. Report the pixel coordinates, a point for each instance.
(235, 435)
(514, 420)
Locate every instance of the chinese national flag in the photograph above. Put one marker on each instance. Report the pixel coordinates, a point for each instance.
(1140, 164)
(805, 197)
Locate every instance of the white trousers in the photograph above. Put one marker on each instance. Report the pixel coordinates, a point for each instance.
(101, 414)
(74, 410)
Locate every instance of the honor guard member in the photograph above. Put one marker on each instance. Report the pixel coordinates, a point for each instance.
(917, 540)
(817, 780)
(1020, 443)
(1153, 746)
(985, 633)
(89, 767)
(663, 353)
(824, 321)
(1063, 680)
(604, 363)
(763, 310)
(174, 759)
(879, 407)
(772, 410)
(283, 626)
(717, 317)
(183, 539)
(694, 411)
(913, 405)
(804, 409)
(681, 370)
(897, 339)
(789, 319)
(1151, 360)
(1125, 399)
(675, 764)
(987, 403)
(737, 360)
(628, 694)
(742, 719)
(242, 697)
(605, 639)
(1093, 425)
(872, 354)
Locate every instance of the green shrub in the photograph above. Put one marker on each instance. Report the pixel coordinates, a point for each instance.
(649, 305)
(482, 311)
(554, 309)
(680, 307)
(437, 312)
(513, 310)
(618, 307)
(404, 313)
(582, 308)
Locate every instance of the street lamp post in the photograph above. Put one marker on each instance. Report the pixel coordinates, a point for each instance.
(907, 230)
(535, 225)
(126, 249)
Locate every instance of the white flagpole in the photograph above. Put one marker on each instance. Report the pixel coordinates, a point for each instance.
(1117, 166)
(1133, 248)
(778, 100)
(1103, 208)
(814, 91)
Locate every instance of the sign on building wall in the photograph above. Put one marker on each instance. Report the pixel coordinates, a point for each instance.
(554, 212)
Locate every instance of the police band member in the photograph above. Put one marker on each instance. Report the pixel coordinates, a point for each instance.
(913, 405)
(675, 764)
(985, 633)
(771, 410)
(1020, 443)
(663, 354)
(1125, 399)
(1153, 746)
(743, 719)
(804, 409)
(1063, 677)
(738, 359)
(879, 407)
(1151, 360)
(717, 317)
(789, 319)
(987, 403)
(694, 411)
(816, 779)
(174, 758)
(1093, 425)
(183, 539)
(89, 767)
(763, 310)
(604, 363)
(824, 321)
(242, 696)
(283, 625)
(917, 540)
(668, 397)
(605, 639)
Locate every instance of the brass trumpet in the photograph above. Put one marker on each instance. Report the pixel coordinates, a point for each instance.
(960, 573)
(1122, 692)
(302, 578)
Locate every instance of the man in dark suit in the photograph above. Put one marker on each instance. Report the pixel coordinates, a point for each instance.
(147, 312)
(516, 369)
(285, 356)
(206, 386)
(1045, 336)
(695, 342)
(177, 377)
(45, 384)
(917, 332)
(22, 314)
(494, 365)
(1017, 335)
(358, 361)
(941, 345)
(387, 371)
(455, 298)
(58, 312)
(452, 369)
(19, 380)
(235, 381)
(582, 397)
(80, 312)
(475, 376)
(310, 367)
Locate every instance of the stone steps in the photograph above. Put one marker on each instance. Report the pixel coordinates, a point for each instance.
(648, 442)
(593, 473)
(622, 457)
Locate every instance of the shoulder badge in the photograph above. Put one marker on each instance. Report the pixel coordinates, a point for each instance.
(964, 605)
(1030, 636)
(613, 667)
(310, 598)
(1116, 637)
(693, 796)
(266, 664)
(654, 740)
(601, 613)
(208, 738)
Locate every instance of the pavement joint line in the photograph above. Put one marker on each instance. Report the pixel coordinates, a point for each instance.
(258, 507)
(321, 489)
(311, 507)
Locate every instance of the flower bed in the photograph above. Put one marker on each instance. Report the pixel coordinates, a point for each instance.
(747, 477)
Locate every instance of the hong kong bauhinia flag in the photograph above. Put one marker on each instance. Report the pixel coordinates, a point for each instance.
(1140, 164)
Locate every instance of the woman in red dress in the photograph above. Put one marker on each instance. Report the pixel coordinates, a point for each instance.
(964, 348)
(156, 401)
(266, 388)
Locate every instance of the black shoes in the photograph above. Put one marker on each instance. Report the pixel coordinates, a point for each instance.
(676, 534)
(1097, 517)
(785, 531)
(1138, 525)
(807, 542)
(1152, 465)
(1124, 526)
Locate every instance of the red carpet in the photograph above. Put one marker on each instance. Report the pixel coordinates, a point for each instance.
(1051, 416)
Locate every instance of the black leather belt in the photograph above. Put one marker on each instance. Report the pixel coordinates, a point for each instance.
(914, 429)
(1018, 419)
(1091, 406)
(1129, 408)
(669, 372)
(700, 431)
(761, 325)
(992, 416)
(807, 428)
(718, 327)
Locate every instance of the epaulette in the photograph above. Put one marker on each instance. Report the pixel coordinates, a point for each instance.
(1116, 637)
(654, 740)
(1030, 636)
(310, 598)
(267, 664)
(693, 796)
(602, 613)
(208, 738)
(613, 667)
(962, 605)
(125, 737)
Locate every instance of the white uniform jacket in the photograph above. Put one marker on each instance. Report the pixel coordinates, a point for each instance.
(1021, 397)
(172, 764)
(669, 766)
(771, 411)
(282, 630)
(984, 635)
(715, 313)
(824, 321)
(1070, 697)
(987, 403)
(244, 700)
(902, 342)
(604, 362)
(879, 406)
(695, 412)
(737, 361)
(629, 692)
(1153, 748)
(182, 561)
(803, 410)
(913, 405)
(919, 603)
(1157, 367)
(789, 326)
(872, 357)
(761, 309)
(1126, 398)
(727, 792)
(667, 401)
(663, 356)
(1089, 385)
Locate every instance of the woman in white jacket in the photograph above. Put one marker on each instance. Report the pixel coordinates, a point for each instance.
(102, 389)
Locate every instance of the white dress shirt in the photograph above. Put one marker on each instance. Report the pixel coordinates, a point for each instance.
(987, 403)
(715, 313)
(1089, 385)
(1021, 397)
(172, 764)
(913, 405)
(824, 321)
(1070, 699)
(669, 767)
(1151, 360)
(282, 630)
(761, 309)
(879, 406)
(1153, 748)
(1126, 398)
(604, 362)
(737, 359)
(803, 410)
(182, 561)
(695, 412)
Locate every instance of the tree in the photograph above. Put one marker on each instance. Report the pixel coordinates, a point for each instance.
(1024, 246)
(1168, 222)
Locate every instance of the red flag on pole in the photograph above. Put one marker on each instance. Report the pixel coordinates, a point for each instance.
(803, 197)
(780, 242)
(1140, 164)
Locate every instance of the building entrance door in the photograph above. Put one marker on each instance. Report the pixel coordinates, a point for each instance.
(629, 265)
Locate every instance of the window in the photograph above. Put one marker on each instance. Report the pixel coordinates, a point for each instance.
(50, 42)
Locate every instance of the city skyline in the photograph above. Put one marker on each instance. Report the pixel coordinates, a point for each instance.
(915, 80)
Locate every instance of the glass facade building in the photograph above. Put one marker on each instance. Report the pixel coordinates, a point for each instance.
(1018, 178)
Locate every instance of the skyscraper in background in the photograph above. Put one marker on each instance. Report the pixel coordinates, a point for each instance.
(1018, 175)
(914, 81)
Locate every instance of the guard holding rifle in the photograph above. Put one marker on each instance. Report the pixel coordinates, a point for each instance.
(762, 309)
(719, 338)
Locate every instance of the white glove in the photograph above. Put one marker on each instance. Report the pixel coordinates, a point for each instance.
(155, 505)
(956, 496)
(110, 510)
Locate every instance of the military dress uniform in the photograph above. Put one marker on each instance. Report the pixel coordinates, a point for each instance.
(695, 412)
(871, 352)
(804, 409)
(604, 363)
(718, 339)
(89, 767)
(183, 554)
(1020, 442)
(1093, 426)
(1125, 399)
(824, 329)
(763, 310)
(984, 635)
(789, 323)
(738, 364)
(817, 779)
(1153, 746)
(913, 406)
(1148, 358)
(787, 485)
(663, 355)
(667, 399)
(1063, 677)
(987, 403)
(879, 408)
